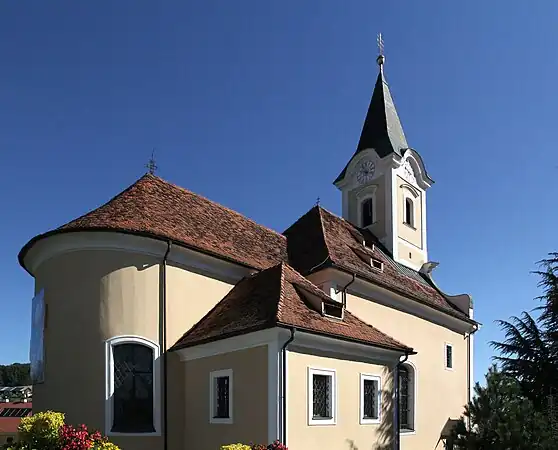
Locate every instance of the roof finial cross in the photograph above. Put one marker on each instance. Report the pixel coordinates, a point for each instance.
(381, 58)
(151, 165)
(318, 201)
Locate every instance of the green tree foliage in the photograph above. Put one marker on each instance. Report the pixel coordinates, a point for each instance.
(503, 418)
(530, 351)
(518, 408)
(15, 375)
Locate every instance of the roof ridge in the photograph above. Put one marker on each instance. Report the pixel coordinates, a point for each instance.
(176, 186)
(102, 205)
(281, 298)
(324, 234)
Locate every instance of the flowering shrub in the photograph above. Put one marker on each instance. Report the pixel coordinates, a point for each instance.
(236, 447)
(276, 446)
(47, 431)
(41, 431)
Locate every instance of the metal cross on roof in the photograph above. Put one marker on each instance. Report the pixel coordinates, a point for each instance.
(151, 165)
(318, 201)
(380, 42)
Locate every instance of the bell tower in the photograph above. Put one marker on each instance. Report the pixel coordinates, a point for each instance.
(384, 183)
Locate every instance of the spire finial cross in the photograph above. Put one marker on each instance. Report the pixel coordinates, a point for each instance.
(381, 58)
(318, 201)
(151, 165)
(380, 42)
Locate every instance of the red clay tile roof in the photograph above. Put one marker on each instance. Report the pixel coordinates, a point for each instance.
(320, 238)
(161, 209)
(275, 297)
(156, 208)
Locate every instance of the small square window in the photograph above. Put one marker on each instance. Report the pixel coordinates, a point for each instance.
(376, 264)
(220, 396)
(449, 356)
(321, 397)
(370, 399)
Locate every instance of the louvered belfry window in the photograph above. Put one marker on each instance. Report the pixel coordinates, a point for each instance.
(133, 389)
(321, 395)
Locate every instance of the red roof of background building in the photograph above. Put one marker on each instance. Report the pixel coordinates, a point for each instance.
(10, 424)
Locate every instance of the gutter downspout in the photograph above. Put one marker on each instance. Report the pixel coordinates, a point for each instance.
(397, 443)
(344, 291)
(476, 328)
(164, 346)
(284, 385)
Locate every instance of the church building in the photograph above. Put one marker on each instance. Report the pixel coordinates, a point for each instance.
(168, 321)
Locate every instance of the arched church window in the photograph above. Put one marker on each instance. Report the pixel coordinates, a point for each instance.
(367, 212)
(409, 212)
(406, 398)
(132, 386)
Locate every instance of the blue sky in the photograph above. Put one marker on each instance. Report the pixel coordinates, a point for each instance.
(258, 105)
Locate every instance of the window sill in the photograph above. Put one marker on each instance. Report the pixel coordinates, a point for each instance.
(410, 226)
(407, 432)
(221, 420)
(134, 434)
(314, 422)
(364, 421)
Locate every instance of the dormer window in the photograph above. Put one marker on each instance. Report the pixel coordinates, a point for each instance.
(332, 310)
(409, 212)
(377, 264)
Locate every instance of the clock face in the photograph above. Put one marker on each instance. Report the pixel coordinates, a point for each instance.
(365, 172)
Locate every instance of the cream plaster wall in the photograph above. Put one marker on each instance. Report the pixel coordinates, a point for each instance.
(95, 295)
(410, 234)
(410, 253)
(347, 433)
(441, 393)
(249, 396)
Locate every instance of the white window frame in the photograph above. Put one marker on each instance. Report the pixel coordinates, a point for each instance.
(212, 377)
(446, 345)
(109, 385)
(333, 396)
(414, 396)
(407, 200)
(378, 380)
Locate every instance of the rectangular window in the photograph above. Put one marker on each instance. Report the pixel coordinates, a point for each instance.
(370, 396)
(449, 356)
(321, 397)
(220, 396)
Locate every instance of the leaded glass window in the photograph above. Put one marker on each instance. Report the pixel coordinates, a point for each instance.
(133, 388)
(222, 397)
(321, 396)
(405, 418)
(449, 356)
(370, 399)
